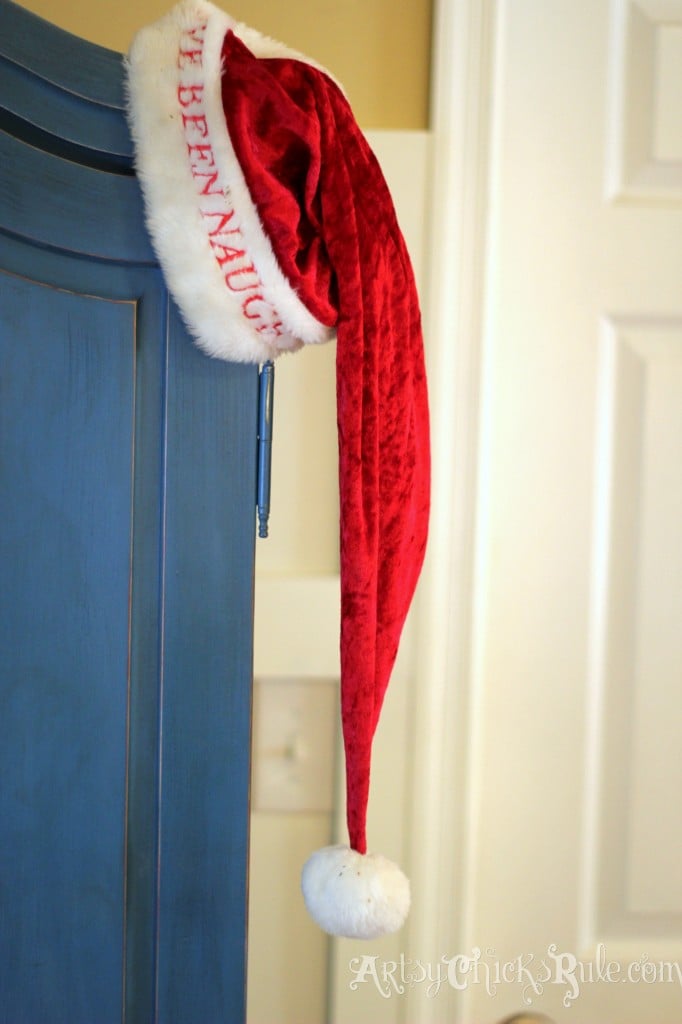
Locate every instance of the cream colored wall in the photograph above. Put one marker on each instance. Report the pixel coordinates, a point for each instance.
(379, 49)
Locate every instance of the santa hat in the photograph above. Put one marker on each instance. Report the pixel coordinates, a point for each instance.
(274, 228)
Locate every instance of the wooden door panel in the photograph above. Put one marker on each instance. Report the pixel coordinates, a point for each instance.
(72, 207)
(575, 756)
(211, 422)
(66, 429)
(127, 532)
(62, 92)
(127, 483)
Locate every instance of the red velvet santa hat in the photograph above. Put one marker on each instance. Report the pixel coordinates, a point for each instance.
(275, 228)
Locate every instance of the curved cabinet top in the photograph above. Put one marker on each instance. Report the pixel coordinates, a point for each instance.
(84, 69)
(65, 148)
(81, 82)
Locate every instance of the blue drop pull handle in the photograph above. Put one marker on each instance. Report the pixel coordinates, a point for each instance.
(265, 406)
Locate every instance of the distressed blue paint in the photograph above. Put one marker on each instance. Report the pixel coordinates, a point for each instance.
(65, 419)
(62, 204)
(96, 128)
(67, 88)
(206, 691)
(56, 56)
(127, 484)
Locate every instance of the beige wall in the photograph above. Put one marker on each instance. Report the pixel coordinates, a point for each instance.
(378, 49)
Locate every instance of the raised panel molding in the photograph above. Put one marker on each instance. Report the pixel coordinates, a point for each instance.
(644, 140)
(632, 871)
(67, 427)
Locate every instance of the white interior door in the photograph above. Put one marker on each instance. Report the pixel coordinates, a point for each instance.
(576, 824)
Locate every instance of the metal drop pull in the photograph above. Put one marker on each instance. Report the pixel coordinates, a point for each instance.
(266, 392)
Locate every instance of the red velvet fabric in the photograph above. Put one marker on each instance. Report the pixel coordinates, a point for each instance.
(328, 213)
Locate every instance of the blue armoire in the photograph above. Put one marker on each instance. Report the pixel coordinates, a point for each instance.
(127, 483)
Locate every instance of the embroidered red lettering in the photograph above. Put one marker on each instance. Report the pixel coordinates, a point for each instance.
(188, 95)
(244, 284)
(203, 153)
(246, 304)
(196, 34)
(271, 330)
(256, 308)
(187, 57)
(222, 225)
(196, 123)
(226, 253)
(225, 219)
(208, 189)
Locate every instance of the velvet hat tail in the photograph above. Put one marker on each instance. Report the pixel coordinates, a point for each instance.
(275, 228)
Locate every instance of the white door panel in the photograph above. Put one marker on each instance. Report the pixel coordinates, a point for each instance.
(577, 830)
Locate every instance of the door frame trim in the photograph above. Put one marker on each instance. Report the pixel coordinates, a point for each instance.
(443, 802)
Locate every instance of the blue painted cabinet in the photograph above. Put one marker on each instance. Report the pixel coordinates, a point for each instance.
(127, 484)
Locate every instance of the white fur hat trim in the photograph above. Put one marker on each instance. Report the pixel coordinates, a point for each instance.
(215, 253)
(359, 896)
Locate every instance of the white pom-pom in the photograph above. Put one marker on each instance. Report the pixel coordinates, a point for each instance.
(359, 896)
